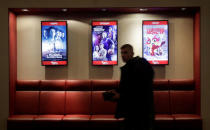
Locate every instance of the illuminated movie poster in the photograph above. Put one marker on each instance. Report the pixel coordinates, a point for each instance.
(54, 42)
(155, 41)
(104, 43)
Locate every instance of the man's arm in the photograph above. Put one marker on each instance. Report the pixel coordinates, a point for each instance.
(116, 95)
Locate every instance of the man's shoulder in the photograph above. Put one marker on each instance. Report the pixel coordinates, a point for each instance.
(144, 60)
(138, 59)
(141, 64)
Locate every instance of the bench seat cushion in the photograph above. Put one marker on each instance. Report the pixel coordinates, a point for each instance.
(76, 121)
(104, 121)
(49, 118)
(187, 121)
(76, 117)
(164, 121)
(22, 117)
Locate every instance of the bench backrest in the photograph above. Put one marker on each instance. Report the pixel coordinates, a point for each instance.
(85, 96)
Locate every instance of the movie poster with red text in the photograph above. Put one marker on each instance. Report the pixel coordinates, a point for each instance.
(155, 41)
(104, 43)
(54, 42)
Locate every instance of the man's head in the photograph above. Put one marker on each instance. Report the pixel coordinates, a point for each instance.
(127, 52)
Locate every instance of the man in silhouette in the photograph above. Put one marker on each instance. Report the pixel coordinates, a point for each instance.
(135, 96)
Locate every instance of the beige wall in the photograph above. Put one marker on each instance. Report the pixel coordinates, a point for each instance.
(205, 46)
(79, 46)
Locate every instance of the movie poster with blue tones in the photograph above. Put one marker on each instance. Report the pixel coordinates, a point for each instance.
(155, 41)
(54, 42)
(104, 43)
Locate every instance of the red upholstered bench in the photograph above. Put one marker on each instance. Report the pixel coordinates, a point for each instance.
(26, 105)
(102, 115)
(77, 104)
(183, 104)
(52, 97)
(163, 116)
(71, 104)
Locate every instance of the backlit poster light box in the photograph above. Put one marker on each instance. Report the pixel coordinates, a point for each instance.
(54, 43)
(155, 41)
(104, 43)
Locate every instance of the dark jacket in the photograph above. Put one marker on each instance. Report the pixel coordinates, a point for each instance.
(136, 95)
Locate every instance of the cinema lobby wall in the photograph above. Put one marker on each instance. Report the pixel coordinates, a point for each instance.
(79, 46)
(28, 35)
(90, 72)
